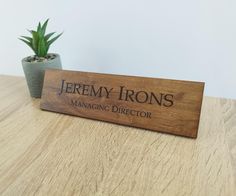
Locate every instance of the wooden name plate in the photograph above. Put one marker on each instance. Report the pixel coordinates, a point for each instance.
(169, 106)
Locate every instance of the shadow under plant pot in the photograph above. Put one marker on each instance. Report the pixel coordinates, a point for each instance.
(34, 68)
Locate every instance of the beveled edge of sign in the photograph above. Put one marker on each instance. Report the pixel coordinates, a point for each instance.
(136, 76)
(200, 110)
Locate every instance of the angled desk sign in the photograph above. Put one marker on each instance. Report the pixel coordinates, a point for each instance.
(170, 106)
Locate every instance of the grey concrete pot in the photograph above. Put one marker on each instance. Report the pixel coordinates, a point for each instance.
(34, 73)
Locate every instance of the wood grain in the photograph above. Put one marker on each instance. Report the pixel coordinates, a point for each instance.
(229, 117)
(44, 153)
(170, 106)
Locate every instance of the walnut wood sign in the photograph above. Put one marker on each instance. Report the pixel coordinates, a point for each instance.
(169, 106)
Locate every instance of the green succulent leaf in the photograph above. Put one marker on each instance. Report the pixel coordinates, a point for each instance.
(42, 48)
(35, 40)
(49, 35)
(44, 27)
(27, 38)
(39, 27)
(28, 43)
(54, 39)
(39, 30)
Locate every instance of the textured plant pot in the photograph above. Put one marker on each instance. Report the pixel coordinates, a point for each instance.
(34, 73)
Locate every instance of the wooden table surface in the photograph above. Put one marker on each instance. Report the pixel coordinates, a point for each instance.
(45, 153)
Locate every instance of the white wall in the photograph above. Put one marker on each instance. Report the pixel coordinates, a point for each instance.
(184, 39)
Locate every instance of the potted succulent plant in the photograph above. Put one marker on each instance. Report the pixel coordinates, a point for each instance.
(34, 66)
